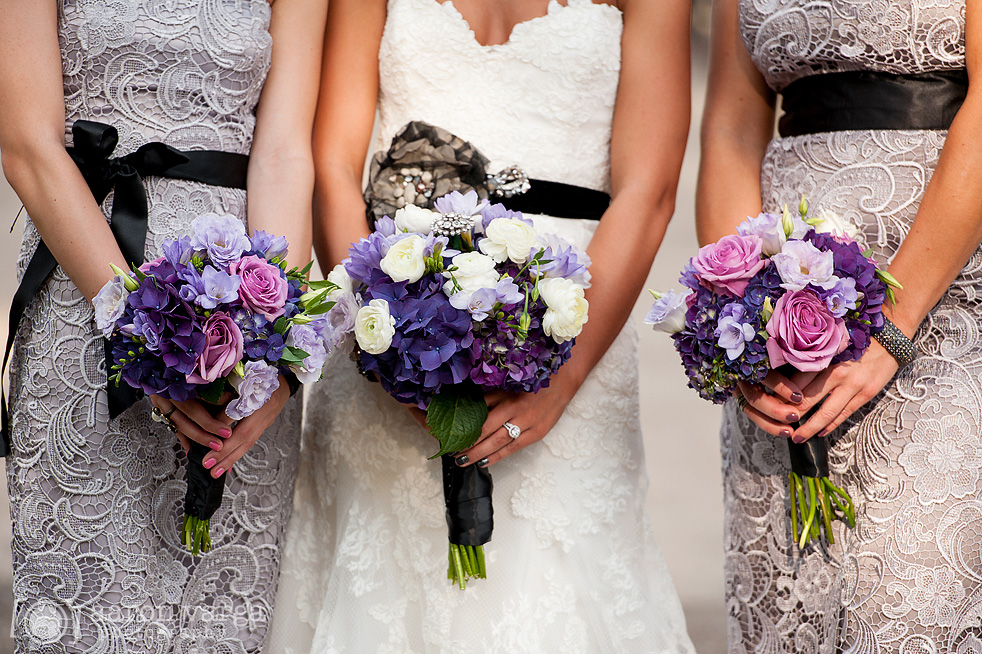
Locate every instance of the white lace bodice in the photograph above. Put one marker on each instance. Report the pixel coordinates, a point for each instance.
(789, 39)
(544, 100)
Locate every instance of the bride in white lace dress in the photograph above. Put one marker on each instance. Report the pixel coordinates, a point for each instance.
(572, 565)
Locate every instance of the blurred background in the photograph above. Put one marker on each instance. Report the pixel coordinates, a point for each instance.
(685, 496)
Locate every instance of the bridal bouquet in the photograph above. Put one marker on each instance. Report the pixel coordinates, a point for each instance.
(217, 315)
(446, 305)
(786, 292)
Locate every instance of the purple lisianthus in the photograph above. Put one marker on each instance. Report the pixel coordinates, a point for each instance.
(254, 389)
(732, 331)
(507, 291)
(800, 263)
(479, 303)
(271, 247)
(466, 204)
(308, 339)
(494, 211)
(217, 287)
(110, 304)
(339, 323)
(840, 298)
(667, 313)
(222, 237)
(178, 252)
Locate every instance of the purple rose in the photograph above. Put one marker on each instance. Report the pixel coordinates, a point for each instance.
(803, 333)
(263, 288)
(727, 265)
(258, 385)
(223, 349)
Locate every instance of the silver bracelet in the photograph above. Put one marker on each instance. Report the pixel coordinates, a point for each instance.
(896, 343)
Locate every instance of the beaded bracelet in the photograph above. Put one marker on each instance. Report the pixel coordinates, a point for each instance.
(896, 343)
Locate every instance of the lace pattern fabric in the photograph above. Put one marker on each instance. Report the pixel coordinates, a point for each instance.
(907, 578)
(572, 563)
(96, 504)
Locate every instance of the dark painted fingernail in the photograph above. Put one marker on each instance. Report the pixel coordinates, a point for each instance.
(462, 460)
(822, 433)
(792, 417)
(796, 397)
(483, 463)
(225, 433)
(209, 463)
(215, 445)
(799, 438)
(785, 433)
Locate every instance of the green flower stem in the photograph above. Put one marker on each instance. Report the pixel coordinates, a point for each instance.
(195, 535)
(792, 478)
(815, 503)
(466, 562)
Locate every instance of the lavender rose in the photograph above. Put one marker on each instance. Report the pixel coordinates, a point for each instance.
(254, 388)
(728, 265)
(223, 349)
(263, 288)
(803, 333)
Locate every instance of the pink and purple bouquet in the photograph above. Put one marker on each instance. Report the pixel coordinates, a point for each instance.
(785, 292)
(448, 304)
(217, 314)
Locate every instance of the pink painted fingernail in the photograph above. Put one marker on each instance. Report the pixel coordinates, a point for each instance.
(225, 433)
(210, 462)
(219, 472)
(798, 438)
(215, 445)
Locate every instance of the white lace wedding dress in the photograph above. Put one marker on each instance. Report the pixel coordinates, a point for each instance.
(572, 566)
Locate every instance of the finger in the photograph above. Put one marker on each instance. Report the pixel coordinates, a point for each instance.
(494, 398)
(783, 387)
(195, 411)
(816, 390)
(184, 440)
(484, 448)
(497, 417)
(224, 461)
(820, 422)
(190, 429)
(770, 406)
(772, 427)
(802, 379)
(516, 445)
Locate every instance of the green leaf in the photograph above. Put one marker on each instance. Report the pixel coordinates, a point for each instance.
(322, 284)
(281, 325)
(292, 355)
(212, 393)
(455, 417)
(868, 253)
(888, 279)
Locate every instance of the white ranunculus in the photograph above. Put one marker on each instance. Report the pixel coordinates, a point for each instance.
(473, 271)
(412, 218)
(339, 277)
(374, 327)
(833, 223)
(109, 304)
(508, 238)
(405, 261)
(566, 311)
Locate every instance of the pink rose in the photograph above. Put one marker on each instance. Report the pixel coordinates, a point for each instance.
(263, 288)
(728, 265)
(223, 349)
(803, 332)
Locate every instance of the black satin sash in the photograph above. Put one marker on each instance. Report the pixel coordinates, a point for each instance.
(559, 200)
(868, 100)
(94, 145)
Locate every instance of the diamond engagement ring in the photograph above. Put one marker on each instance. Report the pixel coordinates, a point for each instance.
(163, 419)
(513, 431)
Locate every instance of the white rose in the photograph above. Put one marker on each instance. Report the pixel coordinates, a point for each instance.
(508, 238)
(412, 218)
(374, 327)
(474, 271)
(567, 308)
(405, 261)
(109, 304)
(833, 223)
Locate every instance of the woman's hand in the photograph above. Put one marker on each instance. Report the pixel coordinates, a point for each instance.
(776, 402)
(193, 422)
(535, 414)
(843, 388)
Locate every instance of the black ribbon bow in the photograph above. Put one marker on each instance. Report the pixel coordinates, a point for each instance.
(94, 144)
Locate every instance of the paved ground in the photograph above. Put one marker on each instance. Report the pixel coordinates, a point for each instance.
(680, 432)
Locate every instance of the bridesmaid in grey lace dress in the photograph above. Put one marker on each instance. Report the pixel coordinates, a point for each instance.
(96, 502)
(869, 90)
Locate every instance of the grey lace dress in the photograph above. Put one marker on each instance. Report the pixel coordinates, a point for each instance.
(908, 578)
(96, 504)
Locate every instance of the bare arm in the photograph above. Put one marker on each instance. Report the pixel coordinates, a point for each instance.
(650, 126)
(343, 127)
(32, 140)
(737, 125)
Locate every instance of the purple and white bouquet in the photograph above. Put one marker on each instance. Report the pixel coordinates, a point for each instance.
(445, 305)
(785, 292)
(218, 314)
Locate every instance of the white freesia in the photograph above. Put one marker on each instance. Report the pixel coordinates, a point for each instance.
(834, 224)
(474, 271)
(405, 261)
(667, 314)
(566, 311)
(109, 304)
(412, 218)
(374, 327)
(508, 238)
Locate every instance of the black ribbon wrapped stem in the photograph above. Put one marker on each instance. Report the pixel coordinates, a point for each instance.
(467, 494)
(809, 459)
(94, 144)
